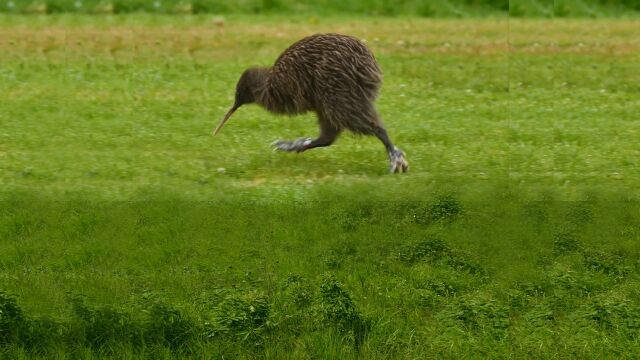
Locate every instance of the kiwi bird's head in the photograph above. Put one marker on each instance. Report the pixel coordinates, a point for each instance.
(247, 89)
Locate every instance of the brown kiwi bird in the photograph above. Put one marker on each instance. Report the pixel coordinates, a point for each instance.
(336, 76)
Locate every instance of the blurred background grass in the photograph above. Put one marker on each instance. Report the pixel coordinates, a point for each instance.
(425, 8)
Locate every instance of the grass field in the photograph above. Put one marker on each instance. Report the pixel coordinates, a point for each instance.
(420, 8)
(126, 229)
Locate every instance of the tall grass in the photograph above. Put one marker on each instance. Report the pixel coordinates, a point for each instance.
(444, 276)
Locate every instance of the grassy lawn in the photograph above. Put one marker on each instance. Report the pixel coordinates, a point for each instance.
(125, 228)
(112, 107)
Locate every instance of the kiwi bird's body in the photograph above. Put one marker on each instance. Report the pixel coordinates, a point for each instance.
(333, 75)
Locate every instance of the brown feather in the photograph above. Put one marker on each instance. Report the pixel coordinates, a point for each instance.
(334, 75)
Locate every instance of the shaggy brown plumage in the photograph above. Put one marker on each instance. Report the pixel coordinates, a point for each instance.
(335, 76)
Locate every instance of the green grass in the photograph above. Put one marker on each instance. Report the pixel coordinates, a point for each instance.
(515, 233)
(444, 277)
(432, 8)
(423, 8)
(113, 110)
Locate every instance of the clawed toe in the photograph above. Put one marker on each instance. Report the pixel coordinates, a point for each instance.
(286, 145)
(281, 145)
(397, 162)
(397, 167)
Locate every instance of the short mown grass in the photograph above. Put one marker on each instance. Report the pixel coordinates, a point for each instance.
(115, 109)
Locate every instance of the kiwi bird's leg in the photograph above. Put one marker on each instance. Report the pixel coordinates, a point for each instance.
(397, 162)
(327, 136)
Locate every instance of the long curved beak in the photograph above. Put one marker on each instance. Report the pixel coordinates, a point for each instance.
(224, 120)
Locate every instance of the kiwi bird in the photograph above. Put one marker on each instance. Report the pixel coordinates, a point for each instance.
(336, 76)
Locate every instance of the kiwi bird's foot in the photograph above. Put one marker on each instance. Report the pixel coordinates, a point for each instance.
(298, 145)
(397, 162)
